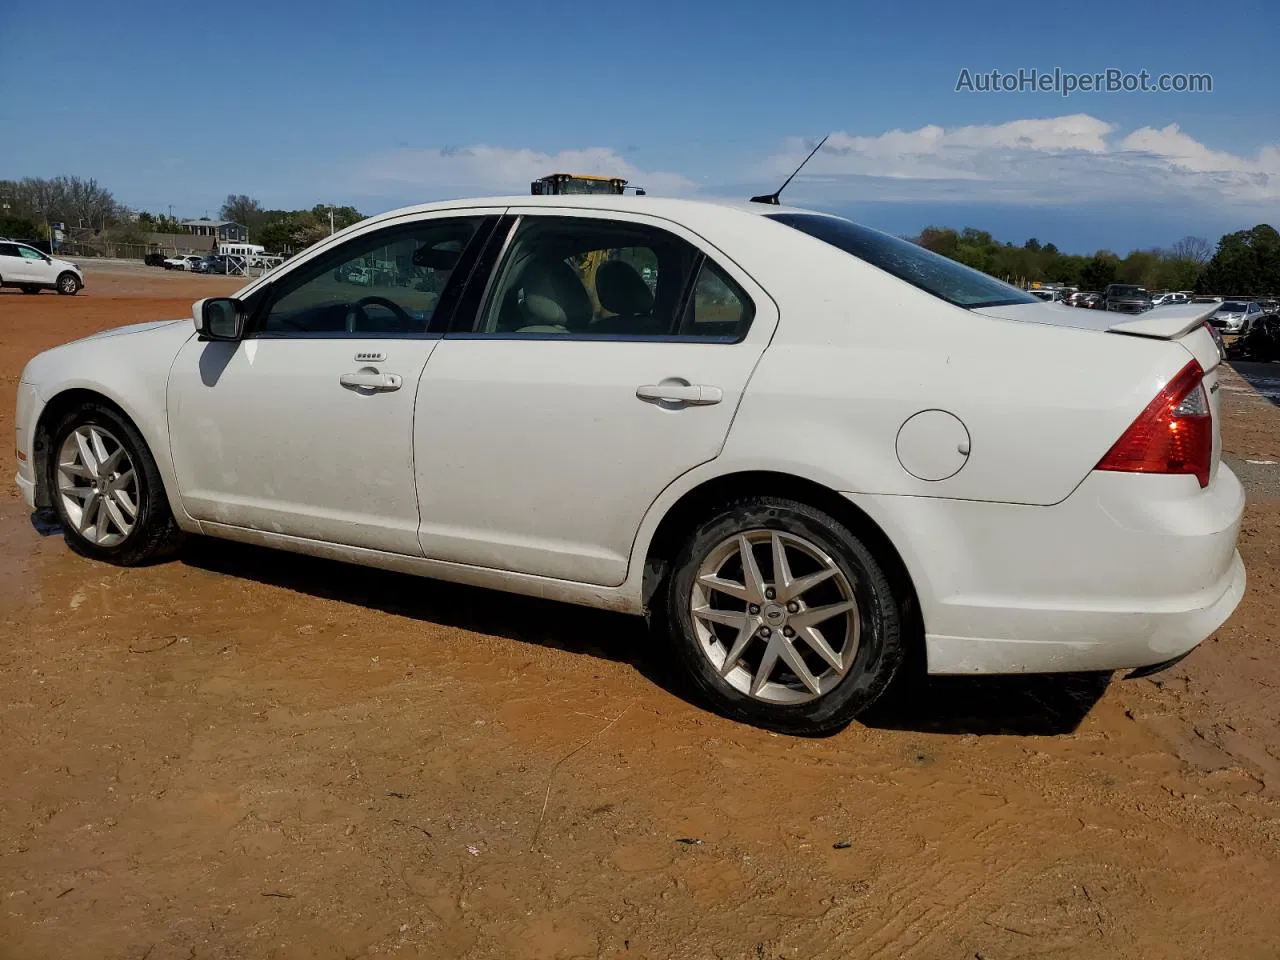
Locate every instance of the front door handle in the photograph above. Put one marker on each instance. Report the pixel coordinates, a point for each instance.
(371, 380)
(693, 394)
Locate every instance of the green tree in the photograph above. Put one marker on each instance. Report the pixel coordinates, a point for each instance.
(1099, 271)
(1139, 267)
(1246, 263)
(19, 227)
(242, 209)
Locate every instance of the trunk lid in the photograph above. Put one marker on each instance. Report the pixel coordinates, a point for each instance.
(1184, 323)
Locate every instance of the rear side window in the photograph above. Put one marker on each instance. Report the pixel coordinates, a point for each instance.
(931, 272)
(585, 278)
(8, 250)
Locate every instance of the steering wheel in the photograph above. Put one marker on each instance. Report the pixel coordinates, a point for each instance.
(357, 310)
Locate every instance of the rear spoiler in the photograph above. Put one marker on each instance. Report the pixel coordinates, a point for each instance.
(1166, 323)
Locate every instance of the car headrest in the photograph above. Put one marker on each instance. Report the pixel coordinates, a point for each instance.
(622, 290)
(554, 294)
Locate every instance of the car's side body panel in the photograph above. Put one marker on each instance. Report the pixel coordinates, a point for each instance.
(537, 456)
(130, 367)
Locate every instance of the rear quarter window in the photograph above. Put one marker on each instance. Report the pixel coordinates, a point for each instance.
(929, 271)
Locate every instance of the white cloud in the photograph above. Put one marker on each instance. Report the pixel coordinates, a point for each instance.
(1057, 160)
(485, 169)
(1073, 160)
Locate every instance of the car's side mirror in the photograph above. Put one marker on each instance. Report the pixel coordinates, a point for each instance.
(218, 318)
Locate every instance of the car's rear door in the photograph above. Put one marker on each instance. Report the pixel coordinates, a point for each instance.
(607, 356)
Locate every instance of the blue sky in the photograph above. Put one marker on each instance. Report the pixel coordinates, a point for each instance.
(393, 102)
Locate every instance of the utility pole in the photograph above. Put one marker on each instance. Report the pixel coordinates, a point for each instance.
(331, 221)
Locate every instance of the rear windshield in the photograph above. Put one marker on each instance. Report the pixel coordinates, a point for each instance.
(931, 272)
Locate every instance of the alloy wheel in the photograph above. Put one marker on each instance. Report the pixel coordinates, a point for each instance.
(98, 485)
(776, 616)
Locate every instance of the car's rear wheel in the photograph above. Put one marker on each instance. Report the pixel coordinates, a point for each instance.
(782, 617)
(68, 285)
(107, 491)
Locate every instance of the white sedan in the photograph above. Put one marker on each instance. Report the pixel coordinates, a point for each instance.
(803, 448)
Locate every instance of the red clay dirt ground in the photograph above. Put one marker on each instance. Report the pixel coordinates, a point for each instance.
(249, 754)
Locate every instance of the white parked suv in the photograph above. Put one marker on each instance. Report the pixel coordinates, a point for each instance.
(805, 449)
(31, 271)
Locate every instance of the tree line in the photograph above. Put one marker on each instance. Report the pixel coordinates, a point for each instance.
(286, 231)
(1244, 263)
(30, 206)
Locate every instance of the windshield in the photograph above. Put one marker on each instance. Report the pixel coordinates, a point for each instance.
(1233, 307)
(931, 272)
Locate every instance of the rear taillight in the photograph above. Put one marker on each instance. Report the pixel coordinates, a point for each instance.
(1173, 435)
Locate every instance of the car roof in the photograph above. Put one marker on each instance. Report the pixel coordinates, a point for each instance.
(673, 208)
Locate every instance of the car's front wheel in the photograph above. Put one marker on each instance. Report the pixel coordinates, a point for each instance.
(68, 284)
(107, 491)
(782, 617)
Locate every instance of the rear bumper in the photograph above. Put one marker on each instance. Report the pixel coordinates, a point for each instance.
(1129, 571)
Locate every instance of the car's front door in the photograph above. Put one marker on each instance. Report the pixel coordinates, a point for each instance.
(37, 267)
(607, 358)
(305, 427)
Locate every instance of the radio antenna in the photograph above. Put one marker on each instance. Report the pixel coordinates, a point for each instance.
(773, 197)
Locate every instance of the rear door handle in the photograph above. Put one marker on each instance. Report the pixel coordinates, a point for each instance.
(372, 381)
(693, 394)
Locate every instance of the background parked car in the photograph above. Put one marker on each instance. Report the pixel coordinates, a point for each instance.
(154, 259)
(215, 263)
(1260, 342)
(1126, 298)
(1236, 316)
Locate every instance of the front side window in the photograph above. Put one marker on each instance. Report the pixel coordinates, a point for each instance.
(387, 283)
(931, 272)
(584, 278)
(30, 254)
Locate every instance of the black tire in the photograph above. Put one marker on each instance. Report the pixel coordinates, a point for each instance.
(68, 284)
(155, 535)
(880, 613)
(30, 290)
